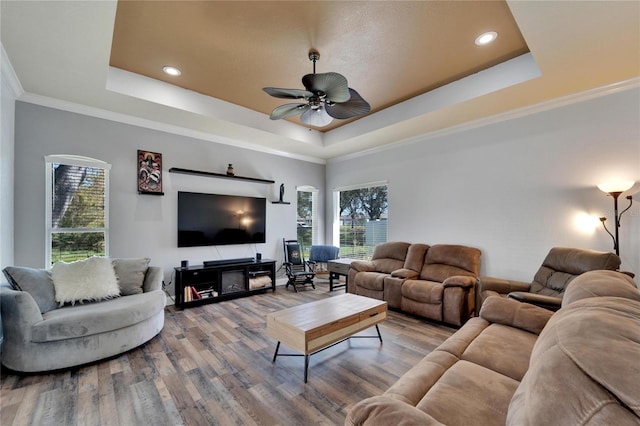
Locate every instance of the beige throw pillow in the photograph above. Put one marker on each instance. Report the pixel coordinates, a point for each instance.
(131, 273)
(86, 280)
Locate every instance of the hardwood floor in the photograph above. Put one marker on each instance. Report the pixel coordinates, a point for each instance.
(212, 365)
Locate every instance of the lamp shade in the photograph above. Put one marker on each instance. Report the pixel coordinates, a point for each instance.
(615, 186)
(316, 117)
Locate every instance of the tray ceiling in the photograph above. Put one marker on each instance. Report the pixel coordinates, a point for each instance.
(389, 51)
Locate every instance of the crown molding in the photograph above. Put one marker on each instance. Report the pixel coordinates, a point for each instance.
(155, 125)
(574, 98)
(9, 74)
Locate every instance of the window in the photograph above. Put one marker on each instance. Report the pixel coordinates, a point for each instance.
(307, 217)
(77, 212)
(361, 218)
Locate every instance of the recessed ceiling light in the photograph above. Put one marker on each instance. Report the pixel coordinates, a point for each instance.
(171, 71)
(486, 38)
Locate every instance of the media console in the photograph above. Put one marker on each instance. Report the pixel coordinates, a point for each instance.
(223, 280)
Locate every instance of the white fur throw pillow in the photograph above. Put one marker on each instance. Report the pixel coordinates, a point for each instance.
(88, 280)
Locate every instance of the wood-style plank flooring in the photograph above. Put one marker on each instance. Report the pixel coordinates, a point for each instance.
(212, 365)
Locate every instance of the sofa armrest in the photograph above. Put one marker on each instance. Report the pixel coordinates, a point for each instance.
(501, 286)
(363, 266)
(547, 302)
(408, 274)
(20, 312)
(515, 314)
(382, 410)
(152, 279)
(459, 281)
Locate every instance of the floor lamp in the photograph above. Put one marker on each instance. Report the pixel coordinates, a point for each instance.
(615, 189)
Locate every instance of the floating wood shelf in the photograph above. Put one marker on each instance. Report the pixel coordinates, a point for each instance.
(217, 175)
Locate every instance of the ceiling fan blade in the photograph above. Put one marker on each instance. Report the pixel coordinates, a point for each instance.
(316, 117)
(354, 106)
(287, 110)
(334, 85)
(288, 93)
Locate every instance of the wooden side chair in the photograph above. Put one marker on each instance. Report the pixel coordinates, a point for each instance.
(299, 271)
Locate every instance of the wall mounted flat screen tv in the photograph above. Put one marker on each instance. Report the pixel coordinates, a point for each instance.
(213, 219)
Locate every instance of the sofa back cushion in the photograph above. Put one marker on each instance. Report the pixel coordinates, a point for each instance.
(415, 257)
(599, 284)
(563, 264)
(36, 282)
(446, 260)
(130, 273)
(387, 257)
(587, 353)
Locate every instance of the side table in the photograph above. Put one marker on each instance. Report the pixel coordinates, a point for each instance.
(337, 267)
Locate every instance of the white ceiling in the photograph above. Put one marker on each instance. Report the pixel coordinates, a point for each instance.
(60, 51)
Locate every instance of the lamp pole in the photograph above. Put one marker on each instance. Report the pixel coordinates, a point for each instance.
(616, 240)
(616, 243)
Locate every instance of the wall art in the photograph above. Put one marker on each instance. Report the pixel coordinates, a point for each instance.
(149, 173)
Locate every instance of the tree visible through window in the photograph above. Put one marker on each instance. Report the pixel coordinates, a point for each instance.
(77, 219)
(363, 221)
(307, 223)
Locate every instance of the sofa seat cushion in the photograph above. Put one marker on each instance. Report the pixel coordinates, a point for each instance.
(94, 318)
(461, 396)
(423, 291)
(371, 280)
(503, 349)
(423, 298)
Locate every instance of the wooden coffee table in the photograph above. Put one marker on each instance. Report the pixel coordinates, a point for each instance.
(315, 326)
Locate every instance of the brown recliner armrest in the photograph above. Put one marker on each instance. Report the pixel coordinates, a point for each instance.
(501, 286)
(384, 410)
(408, 274)
(547, 302)
(515, 314)
(459, 281)
(363, 266)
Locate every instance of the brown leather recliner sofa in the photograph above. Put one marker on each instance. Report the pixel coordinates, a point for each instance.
(520, 364)
(559, 267)
(436, 282)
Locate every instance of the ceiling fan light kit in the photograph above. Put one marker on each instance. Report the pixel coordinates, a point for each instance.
(326, 96)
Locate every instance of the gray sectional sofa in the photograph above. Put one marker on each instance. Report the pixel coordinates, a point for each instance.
(41, 336)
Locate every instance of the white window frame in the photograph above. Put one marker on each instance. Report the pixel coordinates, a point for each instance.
(336, 205)
(314, 210)
(73, 160)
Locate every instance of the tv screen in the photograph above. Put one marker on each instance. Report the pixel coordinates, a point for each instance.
(213, 219)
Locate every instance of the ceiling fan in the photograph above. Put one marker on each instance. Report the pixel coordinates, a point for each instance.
(327, 96)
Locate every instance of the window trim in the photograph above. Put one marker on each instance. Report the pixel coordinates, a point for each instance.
(314, 210)
(335, 234)
(73, 160)
(336, 205)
